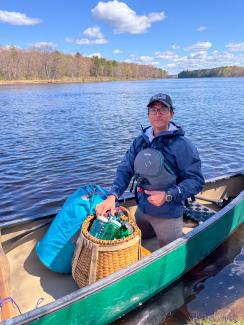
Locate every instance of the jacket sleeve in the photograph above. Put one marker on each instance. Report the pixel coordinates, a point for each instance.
(125, 172)
(190, 176)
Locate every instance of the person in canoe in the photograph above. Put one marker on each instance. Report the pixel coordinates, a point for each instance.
(167, 170)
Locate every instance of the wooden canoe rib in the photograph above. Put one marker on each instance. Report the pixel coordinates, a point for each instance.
(109, 298)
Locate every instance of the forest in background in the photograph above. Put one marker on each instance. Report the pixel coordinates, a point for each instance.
(33, 64)
(230, 71)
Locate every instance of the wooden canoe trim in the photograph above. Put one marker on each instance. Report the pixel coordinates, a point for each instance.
(7, 310)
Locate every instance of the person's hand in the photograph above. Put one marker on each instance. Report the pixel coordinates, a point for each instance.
(156, 198)
(106, 205)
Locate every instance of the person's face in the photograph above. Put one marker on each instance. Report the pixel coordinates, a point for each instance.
(159, 115)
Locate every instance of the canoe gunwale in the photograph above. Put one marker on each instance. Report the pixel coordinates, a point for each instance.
(99, 285)
(226, 176)
(16, 222)
(22, 221)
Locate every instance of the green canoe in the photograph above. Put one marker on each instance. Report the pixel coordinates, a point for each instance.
(45, 297)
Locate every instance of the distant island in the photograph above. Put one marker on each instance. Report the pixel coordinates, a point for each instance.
(229, 71)
(47, 66)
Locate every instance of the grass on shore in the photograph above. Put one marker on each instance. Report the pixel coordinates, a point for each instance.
(214, 321)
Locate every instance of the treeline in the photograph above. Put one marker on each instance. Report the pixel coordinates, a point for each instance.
(18, 64)
(230, 71)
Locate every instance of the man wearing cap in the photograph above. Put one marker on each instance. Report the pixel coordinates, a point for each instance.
(167, 170)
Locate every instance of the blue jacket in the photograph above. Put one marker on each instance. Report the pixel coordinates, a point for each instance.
(180, 155)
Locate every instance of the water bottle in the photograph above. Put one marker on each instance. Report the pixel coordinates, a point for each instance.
(125, 230)
(98, 227)
(111, 230)
(129, 228)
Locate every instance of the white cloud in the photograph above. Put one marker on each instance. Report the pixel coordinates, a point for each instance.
(201, 28)
(44, 45)
(235, 47)
(174, 63)
(200, 57)
(203, 60)
(93, 32)
(86, 41)
(17, 18)
(94, 36)
(68, 40)
(171, 65)
(8, 46)
(99, 55)
(200, 46)
(175, 47)
(156, 16)
(117, 51)
(166, 55)
(143, 59)
(123, 19)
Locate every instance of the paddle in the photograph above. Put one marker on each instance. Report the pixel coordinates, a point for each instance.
(7, 310)
(219, 203)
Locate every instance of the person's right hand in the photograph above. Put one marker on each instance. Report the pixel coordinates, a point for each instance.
(106, 205)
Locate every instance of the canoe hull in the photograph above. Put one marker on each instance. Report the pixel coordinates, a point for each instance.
(112, 297)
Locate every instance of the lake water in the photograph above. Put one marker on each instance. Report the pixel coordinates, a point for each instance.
(55, 138)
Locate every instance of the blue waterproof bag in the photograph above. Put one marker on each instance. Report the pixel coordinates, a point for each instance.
(55, 250)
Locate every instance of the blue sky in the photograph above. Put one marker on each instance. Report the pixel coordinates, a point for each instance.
(170, 34)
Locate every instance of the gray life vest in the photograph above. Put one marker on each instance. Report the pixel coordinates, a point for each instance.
(151, 171)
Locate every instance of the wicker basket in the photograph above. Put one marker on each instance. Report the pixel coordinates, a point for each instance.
(95, 259)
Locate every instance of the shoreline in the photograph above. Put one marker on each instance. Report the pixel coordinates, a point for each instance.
(67, 81)
(93, 80)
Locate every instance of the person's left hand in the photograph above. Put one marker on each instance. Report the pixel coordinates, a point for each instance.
(156, 197)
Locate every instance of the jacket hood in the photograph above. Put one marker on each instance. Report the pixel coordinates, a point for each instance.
(173, 131)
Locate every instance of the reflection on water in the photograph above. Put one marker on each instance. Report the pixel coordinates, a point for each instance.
(213, 284)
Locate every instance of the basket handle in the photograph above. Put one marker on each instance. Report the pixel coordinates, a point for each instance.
(126, 211)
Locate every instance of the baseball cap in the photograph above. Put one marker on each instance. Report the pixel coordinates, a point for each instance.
(163, 98)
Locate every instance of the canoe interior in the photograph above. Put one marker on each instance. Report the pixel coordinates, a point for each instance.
(34, 285)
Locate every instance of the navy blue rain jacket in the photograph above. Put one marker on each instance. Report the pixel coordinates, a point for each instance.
(180, 155)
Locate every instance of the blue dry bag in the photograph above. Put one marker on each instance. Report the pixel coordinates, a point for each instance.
(56, 248)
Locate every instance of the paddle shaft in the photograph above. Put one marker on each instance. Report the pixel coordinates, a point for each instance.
(217, 202)
(7, 310)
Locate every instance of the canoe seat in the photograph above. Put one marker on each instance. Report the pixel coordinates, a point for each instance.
(197, 212)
